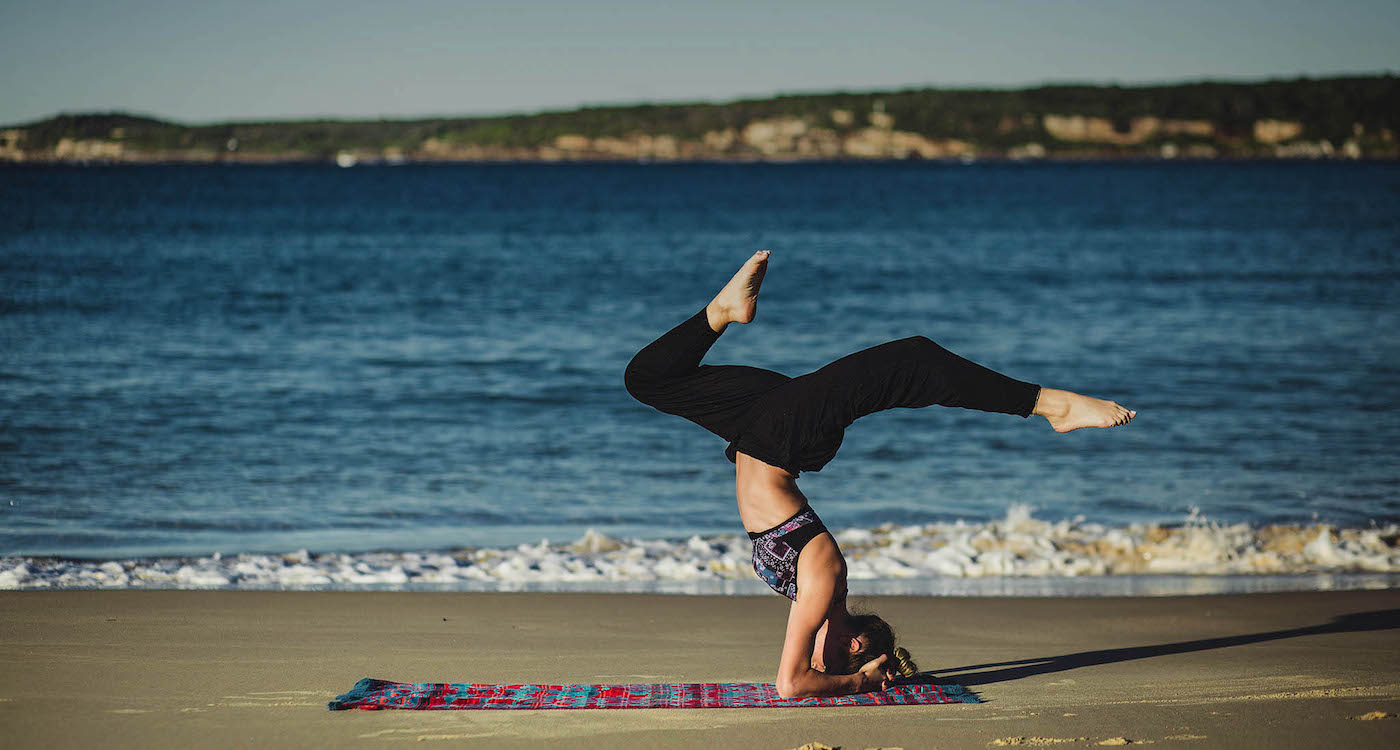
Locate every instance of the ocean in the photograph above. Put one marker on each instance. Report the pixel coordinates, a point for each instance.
(411, 376)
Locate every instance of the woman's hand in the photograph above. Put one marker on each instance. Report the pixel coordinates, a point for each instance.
(874, 676)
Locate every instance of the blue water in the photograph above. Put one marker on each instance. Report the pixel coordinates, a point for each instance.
(201, 359)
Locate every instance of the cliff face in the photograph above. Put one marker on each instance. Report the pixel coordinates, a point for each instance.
(1077, 128)
(1344, 117)
(783, 138)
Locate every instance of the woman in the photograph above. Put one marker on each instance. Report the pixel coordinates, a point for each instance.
(778, 427)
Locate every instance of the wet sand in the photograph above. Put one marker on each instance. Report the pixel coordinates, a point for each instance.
(238, 669)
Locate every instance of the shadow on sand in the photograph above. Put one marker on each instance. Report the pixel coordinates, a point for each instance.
(984, 674)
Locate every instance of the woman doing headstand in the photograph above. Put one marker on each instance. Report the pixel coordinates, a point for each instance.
(778, 427)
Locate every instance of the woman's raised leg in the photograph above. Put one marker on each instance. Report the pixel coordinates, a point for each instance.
(667, 374)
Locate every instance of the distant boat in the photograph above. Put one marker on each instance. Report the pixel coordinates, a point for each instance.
(346, 159)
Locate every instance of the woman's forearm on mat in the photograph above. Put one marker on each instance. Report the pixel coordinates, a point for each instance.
(815, 684)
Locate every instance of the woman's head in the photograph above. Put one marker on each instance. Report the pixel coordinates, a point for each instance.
(871, 637)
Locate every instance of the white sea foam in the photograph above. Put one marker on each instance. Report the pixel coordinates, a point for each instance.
(889, 559)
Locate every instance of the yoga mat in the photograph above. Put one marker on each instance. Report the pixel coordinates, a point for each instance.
(371, 694)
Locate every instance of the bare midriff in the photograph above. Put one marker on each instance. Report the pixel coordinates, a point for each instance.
(767, 494)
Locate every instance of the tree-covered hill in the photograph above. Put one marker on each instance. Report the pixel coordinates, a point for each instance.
(1345, 116)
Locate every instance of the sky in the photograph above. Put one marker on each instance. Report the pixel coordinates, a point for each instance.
(202, 61)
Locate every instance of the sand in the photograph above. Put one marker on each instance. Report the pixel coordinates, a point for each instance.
(146, 669)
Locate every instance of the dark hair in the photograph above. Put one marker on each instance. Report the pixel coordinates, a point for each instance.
(879, 641)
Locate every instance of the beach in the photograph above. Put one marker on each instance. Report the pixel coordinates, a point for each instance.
(215, 669)
(274, 430)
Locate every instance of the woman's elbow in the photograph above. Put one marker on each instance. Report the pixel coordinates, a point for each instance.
(788, 687)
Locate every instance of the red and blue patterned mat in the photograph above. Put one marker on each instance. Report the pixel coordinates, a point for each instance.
(371, 694)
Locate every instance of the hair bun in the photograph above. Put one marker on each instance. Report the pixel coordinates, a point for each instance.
(905, 666)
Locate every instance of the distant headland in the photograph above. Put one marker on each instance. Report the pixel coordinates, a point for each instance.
(1341, 117)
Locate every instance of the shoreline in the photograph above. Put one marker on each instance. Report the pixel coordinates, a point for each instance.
(1002, 587)
(223, 669)
(1015, 556)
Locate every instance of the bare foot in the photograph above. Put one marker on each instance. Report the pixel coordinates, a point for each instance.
(737, 302)
(1067, 410)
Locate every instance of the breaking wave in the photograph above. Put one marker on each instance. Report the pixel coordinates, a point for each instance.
(927, 559)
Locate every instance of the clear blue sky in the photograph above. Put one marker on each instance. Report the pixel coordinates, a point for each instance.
(213, 60)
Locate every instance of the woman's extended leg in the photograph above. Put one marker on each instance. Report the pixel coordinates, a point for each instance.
(916, 372)
(801, 423)
(667, 374)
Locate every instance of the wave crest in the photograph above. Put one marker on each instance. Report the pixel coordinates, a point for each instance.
(1017, 546)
